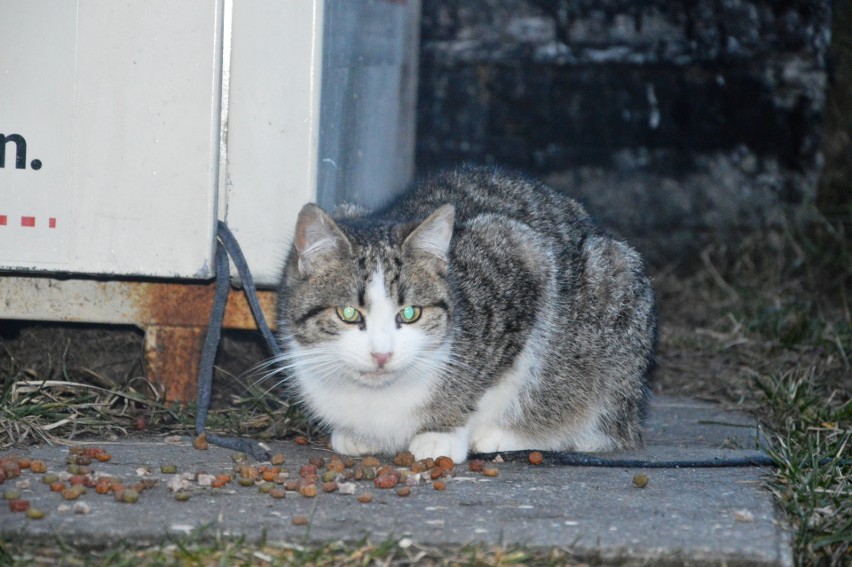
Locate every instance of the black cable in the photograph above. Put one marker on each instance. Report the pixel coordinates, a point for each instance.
(226, 244)
(211, 340)
(585, 460)
(236, 254)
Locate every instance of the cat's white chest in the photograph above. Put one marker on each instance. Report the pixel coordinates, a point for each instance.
(388, 415)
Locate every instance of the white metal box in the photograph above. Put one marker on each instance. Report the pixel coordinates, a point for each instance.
(129, 128)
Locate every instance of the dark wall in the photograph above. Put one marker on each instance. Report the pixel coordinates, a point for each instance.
(676, 123)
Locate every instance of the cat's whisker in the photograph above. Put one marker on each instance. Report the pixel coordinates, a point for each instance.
(321, 370)
(290, 361)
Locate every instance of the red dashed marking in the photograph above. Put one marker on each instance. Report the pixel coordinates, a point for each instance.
(28, 221)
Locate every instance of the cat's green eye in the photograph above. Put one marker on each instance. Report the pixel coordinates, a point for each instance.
(410, 314)
(349, 314)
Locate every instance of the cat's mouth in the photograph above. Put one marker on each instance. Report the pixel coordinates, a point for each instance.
(377, 377)
(375, 373)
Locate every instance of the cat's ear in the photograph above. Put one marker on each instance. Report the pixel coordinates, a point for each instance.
(433, 235)
(317, 236)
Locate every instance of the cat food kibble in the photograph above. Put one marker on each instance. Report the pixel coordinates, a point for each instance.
(370, 462)
(318, 477)
(71, 493)
(11, 469)
(404, 459)
(300, 521)
(200, 442)
(35, 514)
(445, 463)
(386, 481)
(220, 480)
(385, 470)
(270, 474)
(247, 471)
(129, 496)
(536, 458)
(19, 505)
(277, 459)
(640, 480)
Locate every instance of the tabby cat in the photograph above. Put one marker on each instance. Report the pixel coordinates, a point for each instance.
(479, 311)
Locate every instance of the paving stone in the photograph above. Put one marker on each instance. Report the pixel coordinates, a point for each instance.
(695, 515)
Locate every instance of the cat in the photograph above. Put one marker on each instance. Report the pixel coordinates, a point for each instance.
(480, 311)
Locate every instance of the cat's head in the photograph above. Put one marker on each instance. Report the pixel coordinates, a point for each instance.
(367, 301)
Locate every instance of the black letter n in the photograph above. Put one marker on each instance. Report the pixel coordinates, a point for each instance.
(20, 150)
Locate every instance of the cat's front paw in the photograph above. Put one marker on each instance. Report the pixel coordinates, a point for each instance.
(347, 445)
(433, 444)
(495, 439)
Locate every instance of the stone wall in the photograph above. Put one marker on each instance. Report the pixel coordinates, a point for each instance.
(676, 123)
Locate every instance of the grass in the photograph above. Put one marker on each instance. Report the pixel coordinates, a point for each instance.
(813, 483)
(204, 548)
(58, 383)
(770, 320)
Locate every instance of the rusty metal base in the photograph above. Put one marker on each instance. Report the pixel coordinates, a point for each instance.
(173, 315)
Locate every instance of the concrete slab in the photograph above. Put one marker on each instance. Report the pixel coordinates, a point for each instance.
(698, 516)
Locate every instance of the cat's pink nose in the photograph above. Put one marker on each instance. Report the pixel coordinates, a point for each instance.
(381, 358)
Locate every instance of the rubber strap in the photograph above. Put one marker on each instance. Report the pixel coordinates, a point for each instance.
(584, 460)
(225, 245)
(233, 248)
